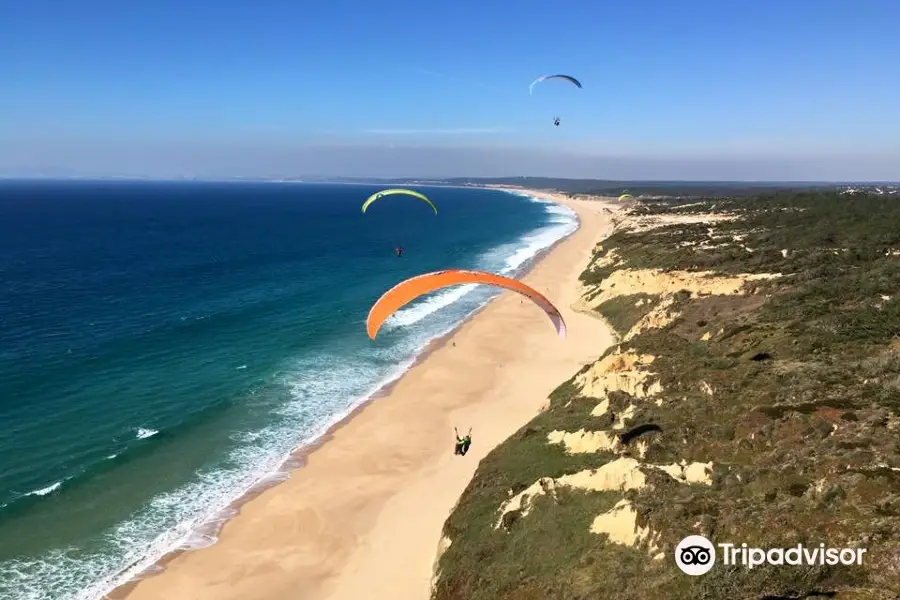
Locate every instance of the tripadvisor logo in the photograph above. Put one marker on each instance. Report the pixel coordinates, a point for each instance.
(696, 555)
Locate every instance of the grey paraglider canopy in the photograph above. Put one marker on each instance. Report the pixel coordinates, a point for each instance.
(568, 78)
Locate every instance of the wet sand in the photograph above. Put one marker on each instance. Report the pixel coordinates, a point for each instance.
(363, 517)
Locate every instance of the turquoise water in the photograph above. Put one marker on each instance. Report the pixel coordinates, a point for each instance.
(166, 345)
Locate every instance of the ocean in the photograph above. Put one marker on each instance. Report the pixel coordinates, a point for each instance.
(164, 346)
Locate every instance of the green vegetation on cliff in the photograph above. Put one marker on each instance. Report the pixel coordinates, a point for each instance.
(790, 391)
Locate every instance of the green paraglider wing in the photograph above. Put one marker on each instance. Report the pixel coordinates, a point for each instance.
(568, 78)
(383, 193)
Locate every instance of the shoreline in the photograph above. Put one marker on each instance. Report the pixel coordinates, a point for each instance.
(292, 468)
(210, 529)
(297, 458)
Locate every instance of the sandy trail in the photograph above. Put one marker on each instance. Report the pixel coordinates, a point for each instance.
(363, 518)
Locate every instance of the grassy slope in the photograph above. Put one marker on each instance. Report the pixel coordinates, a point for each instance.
(783, 473)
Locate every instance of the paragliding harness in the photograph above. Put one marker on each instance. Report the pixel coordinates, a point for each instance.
(462, 443)
(398, 251)
(556, 121)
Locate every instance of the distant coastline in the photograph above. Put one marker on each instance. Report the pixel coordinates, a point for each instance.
(647, 189)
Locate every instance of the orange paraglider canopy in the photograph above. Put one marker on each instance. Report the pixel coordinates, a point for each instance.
(407, 291)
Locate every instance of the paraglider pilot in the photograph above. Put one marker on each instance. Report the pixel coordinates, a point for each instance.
(556, 121)
(462, 443)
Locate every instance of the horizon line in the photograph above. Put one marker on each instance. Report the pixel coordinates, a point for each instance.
(437, 131)
(350, 178)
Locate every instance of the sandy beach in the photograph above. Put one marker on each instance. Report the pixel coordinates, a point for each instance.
(363, 517)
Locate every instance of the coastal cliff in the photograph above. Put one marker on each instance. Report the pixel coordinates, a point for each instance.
(752, 397)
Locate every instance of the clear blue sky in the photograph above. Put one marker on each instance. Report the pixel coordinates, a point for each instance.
(781, 89)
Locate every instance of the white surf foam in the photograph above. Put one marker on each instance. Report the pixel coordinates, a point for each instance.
(506, 259)
(143, 433)
(427, 306)
(47, 490)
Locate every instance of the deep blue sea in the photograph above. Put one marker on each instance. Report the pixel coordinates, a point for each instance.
(165, 346)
